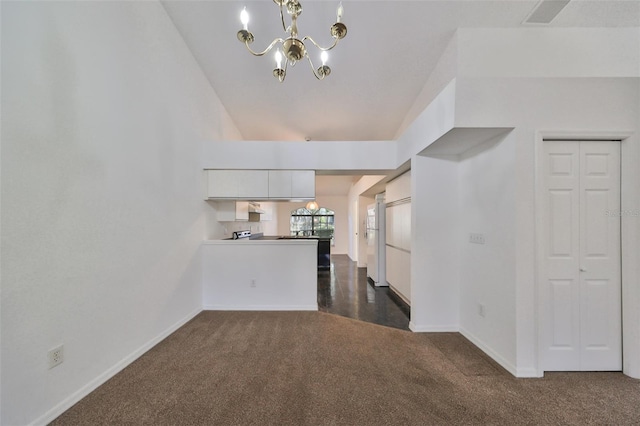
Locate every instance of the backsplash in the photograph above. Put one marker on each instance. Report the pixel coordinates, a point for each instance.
(216, 229)
(229, 227)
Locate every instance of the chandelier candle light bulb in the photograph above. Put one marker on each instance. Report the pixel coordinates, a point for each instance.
(293, 48)
(244, 18)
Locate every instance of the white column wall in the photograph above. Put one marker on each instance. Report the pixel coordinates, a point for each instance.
(434, 245)
(104, 110)
(486, 205)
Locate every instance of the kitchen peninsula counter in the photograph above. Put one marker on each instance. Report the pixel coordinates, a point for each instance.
(260, 274)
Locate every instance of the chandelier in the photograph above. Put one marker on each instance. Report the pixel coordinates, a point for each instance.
(292, 49)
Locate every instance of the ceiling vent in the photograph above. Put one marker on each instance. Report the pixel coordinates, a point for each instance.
(545, 11)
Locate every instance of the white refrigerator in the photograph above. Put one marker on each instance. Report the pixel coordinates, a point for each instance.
(376, 247)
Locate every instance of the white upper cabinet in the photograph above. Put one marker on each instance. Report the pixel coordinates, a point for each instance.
(292, 184)
(237, 184)
(222, 183)
(280, 184)
(303, 184)
(253, 184)
(261, 184)
(231, 211)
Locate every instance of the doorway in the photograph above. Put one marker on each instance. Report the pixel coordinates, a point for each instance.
(580, 275)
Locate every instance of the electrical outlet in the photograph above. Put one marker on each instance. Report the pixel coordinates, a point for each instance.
(56, 356)
(253, 283)
(476, 238)
(481, 310)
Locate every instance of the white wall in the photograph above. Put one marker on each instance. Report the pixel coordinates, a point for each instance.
(440, 77)
(498, 87)
(104, 111)
(548, 52)
(567, 106)
(368, 156)
(592, 104)
(434, 245)
(435, 121)
(589, 88)
(486, 205)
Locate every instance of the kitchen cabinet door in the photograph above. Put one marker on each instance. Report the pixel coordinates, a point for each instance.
(280, 184)
(231, 211)
(253, 184)
(222, 183)
(261, 184)
(303, 184)
(242, 210)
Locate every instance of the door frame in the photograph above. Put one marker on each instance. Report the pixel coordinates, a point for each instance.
(630, 294)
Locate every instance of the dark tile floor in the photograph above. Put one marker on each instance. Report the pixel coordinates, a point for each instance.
(343, 290)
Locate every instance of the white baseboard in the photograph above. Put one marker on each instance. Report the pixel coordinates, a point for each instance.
(433, 328)
(523, 373)
(260, 307)
(489, 351)
(68, 402)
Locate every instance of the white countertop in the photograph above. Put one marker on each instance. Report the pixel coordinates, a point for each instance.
(246, 241)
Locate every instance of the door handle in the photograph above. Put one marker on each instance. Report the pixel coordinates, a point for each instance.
(583, 270)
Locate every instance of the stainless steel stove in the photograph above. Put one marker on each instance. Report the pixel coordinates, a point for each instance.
(241, 234)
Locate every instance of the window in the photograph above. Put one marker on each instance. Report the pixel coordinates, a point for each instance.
(306, 222)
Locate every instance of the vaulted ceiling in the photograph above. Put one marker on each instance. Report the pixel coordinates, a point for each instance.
(378, 69)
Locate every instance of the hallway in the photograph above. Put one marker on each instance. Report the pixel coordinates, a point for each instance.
(343, 290)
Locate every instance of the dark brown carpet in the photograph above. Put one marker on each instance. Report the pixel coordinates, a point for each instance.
(312, 368)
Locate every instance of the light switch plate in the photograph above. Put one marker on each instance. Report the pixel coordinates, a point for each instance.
(476, 238)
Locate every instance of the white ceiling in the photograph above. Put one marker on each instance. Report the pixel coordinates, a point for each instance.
(377, 70)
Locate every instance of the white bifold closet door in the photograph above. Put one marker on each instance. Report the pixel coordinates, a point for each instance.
(581, 283)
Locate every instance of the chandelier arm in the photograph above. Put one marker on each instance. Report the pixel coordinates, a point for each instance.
(335, 42)
(286, 62)
(265, 51)
(313, 68)
(284, 27)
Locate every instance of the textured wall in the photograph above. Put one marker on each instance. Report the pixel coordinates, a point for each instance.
(104, 110)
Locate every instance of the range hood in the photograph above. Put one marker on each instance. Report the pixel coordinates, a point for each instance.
(255, 208)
